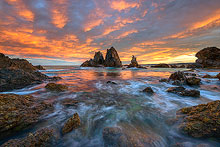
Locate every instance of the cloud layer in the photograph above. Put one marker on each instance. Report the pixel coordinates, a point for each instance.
(70, 31)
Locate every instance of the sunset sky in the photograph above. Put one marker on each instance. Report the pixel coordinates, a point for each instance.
(70, 31)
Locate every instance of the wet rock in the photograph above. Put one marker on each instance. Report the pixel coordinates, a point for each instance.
(69, 102)
(201, 121)
(39, 67)
(209, 57)
(207, 76)
(56, 87)
(190, 74)
(184, 144)
(112, 58)
(133, 63)
(173, 66)
(40, 138)
(178, 76)
(127, 136)
(163, 80)
(162, 65)
(18, 78)
(193, 81)
(184, 92)
(19, 112)
(148, 90)
(176, 89)
(192, 93)
(72, 123)
(110, 82)
(218, 76)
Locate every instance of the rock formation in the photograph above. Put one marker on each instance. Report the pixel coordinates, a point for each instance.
(19, 112)
(97, 61)
(18, 73)
(133, 63)
(201, 121)
(111, 60)
(209, 57)
(39, 67)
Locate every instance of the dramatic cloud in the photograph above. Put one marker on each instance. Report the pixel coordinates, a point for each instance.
(70, 31)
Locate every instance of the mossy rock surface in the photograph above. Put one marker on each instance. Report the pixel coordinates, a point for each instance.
(201, 121)
(18, 112)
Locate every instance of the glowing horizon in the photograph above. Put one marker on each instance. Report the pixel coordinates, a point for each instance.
(68, 32)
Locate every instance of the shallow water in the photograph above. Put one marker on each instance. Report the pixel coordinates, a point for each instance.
(105, 105)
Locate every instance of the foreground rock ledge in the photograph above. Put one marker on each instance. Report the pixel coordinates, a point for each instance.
(40, 138)
(18, 112)
(201, 121)
(56, 87)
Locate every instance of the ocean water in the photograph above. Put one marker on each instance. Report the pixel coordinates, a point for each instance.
(108, 105)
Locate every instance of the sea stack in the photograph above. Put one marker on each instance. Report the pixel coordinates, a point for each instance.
(209, 57)
(133, 63)
(111, 59)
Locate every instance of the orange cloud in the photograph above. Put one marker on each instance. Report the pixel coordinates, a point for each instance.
(59, 14)
(21, 9)
(125, 34)
(122, 5)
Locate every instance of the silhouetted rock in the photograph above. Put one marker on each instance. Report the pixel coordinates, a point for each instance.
(98, 58)
(55, 78)
(209, 57)
(56, 87)
(17, 78)
(148, 90)
(39, 67)
(112, 59)
(162, 65)
(71, 123)
(184, 92)
(201, 121)
(40, 138)
(133, 63)
(128, 136)
(19, 112)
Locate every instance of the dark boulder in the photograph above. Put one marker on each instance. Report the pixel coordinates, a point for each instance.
(110, 82)
(17, 78)
(201, 121)
(56, 87)
(19, 112)
(71, 123)
(178, 76)
(88, 63)
(209, 57)
(148, 90)
(112, 58)
(183, 91)
(41, 138)
(193, 81)
(161, 65)
(163, 80)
